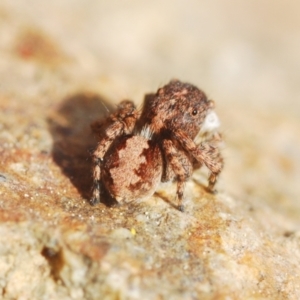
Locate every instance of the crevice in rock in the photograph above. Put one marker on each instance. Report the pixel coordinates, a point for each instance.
(56, 261)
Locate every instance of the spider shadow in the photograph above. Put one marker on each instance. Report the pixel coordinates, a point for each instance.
(166, 199)
(73, 140)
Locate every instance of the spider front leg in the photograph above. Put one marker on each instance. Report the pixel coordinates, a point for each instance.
(212, 158)
(207, 152)
(181, 166)
(120, 123)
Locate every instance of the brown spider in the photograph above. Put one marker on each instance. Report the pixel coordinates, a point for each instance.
(139, 150)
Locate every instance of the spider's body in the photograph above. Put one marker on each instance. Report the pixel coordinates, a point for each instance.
(138, 151)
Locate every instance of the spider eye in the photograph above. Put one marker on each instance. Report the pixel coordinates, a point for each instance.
(195, 111)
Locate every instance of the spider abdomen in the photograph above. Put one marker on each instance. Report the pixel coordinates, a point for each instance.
(132, 168)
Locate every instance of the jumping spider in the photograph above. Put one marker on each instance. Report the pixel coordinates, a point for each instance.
(137, 150)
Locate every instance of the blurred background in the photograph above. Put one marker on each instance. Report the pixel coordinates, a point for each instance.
(244, 51)
(243, 54)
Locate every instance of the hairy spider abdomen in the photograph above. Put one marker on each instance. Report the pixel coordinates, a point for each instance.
(132, 168)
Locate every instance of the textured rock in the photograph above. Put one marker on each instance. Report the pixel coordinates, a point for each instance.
(62, 65)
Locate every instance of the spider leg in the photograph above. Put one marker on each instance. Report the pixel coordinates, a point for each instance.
(211, 156)
(119, 123)
(111, 133)
(96, 184)
(206, 153)
(181, 166)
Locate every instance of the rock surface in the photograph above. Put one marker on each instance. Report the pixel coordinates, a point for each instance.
(62, 64)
